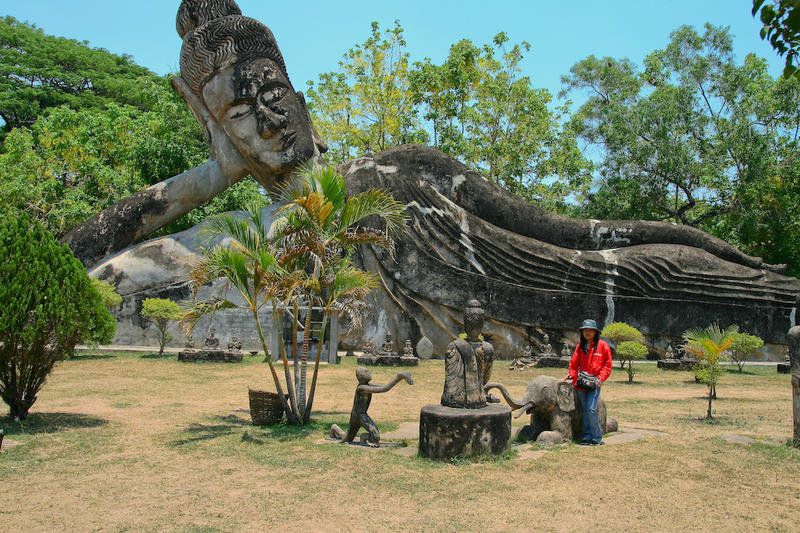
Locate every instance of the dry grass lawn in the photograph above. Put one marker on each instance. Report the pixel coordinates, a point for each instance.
(132, 443)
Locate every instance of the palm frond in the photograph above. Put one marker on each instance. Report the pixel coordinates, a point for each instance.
(198, 310)
(374, 203)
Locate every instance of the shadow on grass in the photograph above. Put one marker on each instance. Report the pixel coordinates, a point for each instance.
(224, 426)
(717, 420)
(90, 357)
(49, 423)
(165, 355)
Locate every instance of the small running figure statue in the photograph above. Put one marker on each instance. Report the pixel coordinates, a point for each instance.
(358, 416)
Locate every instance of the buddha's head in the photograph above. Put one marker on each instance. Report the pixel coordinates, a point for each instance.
(473, 320)
(233, 64)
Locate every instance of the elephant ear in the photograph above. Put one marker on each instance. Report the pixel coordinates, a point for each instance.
(566, 397)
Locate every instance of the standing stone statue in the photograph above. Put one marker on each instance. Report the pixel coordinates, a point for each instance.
(363, 397)
(794, 358)
(468, 364)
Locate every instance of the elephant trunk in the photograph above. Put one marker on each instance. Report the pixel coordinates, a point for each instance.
(516, 404)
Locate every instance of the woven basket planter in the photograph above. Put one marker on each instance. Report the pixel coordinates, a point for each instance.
(265, 407)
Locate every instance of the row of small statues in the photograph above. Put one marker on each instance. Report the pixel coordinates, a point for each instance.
(527, 358)
(388, 348)
(212, 342)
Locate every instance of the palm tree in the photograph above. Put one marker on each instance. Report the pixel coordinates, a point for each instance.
(709, 345)
(302, 261)
(250, 266)
(317, 231)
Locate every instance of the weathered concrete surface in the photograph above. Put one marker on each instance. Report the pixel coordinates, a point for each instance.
(457, 248)
(147, 211)
(535, 271)
(158, 269)
(446, 432)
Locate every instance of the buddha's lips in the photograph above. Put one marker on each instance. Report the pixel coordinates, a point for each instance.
(287, 139)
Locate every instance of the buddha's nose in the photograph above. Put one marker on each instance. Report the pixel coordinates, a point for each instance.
(269, 122)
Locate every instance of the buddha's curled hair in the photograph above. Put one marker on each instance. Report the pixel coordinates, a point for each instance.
(222, 42)
(473, 315)
(194, 13)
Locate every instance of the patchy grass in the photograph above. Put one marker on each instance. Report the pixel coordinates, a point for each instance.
(125, 442)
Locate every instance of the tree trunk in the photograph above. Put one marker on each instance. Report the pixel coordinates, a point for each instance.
(290, 416)
(708, 413)
(796, 408)
(304, 362)
(313, 389)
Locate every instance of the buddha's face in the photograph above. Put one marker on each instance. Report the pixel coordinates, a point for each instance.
(263, 116)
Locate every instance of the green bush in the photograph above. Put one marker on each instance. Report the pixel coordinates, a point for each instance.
(630, 350)
(47, 306)
(162, 311)
(619, 332)
(108, 293)
(742, 346)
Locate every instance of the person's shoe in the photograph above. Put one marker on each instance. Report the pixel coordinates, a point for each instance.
(585, 442)
(597, 443)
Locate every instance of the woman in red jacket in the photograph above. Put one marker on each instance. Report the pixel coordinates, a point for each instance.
(592, 355)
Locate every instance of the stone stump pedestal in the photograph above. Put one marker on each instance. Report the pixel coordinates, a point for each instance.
(446, 432)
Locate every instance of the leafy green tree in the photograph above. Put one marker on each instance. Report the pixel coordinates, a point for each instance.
(301, 261)
(484, 112)
(84, 128)
(781, 19)
(366, 106)
(71, 164)
(47, 306)
(163, 312)
(709, 345)
(742, 346)
(39, 71)
(108, 293)
(629, 351)
(619, 332)
(696, 139)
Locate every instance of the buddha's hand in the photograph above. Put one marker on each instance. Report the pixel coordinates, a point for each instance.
(222, 150)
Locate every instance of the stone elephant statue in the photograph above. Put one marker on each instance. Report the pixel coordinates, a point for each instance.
(554, 408)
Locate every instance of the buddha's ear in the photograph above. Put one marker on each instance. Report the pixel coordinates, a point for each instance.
(220, 146)
(319, 142)
(197, 106)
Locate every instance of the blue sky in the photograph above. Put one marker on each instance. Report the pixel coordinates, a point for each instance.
(313, 34)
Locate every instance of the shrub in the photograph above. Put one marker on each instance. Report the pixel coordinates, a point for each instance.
(742, 346)
(709, 345)
(619, 332)
(108, 293)
(47, 306)
(630, 350)
(162, 311)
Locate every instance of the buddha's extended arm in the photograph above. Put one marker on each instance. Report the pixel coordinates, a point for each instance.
(145, 212)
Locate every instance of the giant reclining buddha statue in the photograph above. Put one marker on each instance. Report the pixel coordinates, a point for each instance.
(467, 237)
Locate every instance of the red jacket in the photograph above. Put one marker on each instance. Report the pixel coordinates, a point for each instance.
(597, 362)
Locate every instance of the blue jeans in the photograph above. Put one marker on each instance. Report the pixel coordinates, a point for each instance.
(591, 423)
